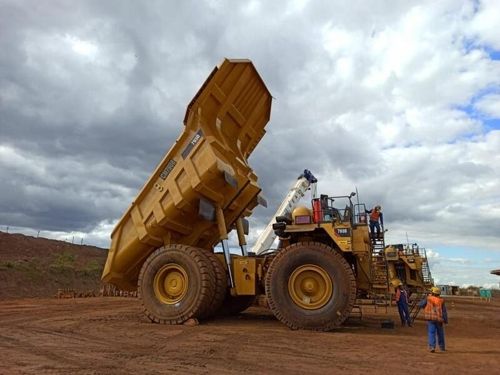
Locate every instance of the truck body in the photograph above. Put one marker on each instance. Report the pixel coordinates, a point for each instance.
(206, 168)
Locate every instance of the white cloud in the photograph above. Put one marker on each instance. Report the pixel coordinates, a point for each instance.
(432, 254)
(491, 286)
(484, 24)
(489, 105)
(82, 47)
(367, 95)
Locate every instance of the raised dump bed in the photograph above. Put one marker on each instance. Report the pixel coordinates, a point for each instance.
(205, 169)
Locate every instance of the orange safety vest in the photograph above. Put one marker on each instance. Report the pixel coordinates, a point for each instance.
(434, 309)
(374, 215)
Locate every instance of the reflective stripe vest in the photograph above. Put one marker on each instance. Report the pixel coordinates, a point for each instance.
(374, 215)
(434, 309)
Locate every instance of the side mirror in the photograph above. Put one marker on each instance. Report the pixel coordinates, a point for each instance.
(352, 194)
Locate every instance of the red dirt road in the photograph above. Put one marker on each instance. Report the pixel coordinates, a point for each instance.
(111, 336)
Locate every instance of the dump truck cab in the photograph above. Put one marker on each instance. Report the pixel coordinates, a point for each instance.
(330, 219)
(337, 222)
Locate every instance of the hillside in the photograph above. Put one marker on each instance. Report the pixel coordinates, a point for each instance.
(38, 267)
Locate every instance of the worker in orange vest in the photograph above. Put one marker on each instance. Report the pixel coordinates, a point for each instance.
(436, 315)
(375, 216)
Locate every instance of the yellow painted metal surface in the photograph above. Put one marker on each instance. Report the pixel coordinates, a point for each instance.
(410, 262)
(208, 163)
(391, 254)
(360, 239)
(310, 287)
(170, 284)
(340, 233)
(245, 275)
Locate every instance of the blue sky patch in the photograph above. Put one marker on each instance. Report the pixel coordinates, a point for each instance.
(494, 54)
(492, 124)
(489, 123)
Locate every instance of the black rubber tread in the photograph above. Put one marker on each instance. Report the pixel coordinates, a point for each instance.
(221, 284)
(335, 312)
(204, 311)
(201, 284)
(233, 305)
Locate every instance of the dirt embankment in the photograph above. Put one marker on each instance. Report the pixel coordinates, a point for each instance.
(38, 267)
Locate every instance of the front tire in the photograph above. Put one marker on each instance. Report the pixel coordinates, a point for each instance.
(309, 285)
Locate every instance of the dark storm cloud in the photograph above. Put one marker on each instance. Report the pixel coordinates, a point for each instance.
(60, 103)
(89, 122)
(93, 93)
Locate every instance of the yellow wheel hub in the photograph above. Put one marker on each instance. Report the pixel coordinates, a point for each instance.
(170, 283)
(310, 287)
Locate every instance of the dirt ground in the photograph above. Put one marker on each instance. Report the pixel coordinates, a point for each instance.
(111, 336)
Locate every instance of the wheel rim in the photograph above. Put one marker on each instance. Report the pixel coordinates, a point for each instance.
(310, 287)
(170, 284)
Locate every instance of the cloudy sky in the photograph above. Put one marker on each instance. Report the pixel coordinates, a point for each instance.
(398, 100)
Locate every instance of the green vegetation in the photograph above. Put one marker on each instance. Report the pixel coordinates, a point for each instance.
(92, 268)
(28, 267)
(63, 263)
(7, 265)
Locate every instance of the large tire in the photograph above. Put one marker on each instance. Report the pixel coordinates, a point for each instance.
(309, 285)
(221, 285)
(176, 283)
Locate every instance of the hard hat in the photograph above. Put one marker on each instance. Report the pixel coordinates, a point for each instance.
(396, 282)
(435, 290)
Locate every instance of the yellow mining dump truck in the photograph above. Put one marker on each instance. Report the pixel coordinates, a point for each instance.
(203, 188)
(407, 264)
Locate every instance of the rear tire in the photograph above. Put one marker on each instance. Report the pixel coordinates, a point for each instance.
(176, 283)
(221, 284)
(309, 285)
